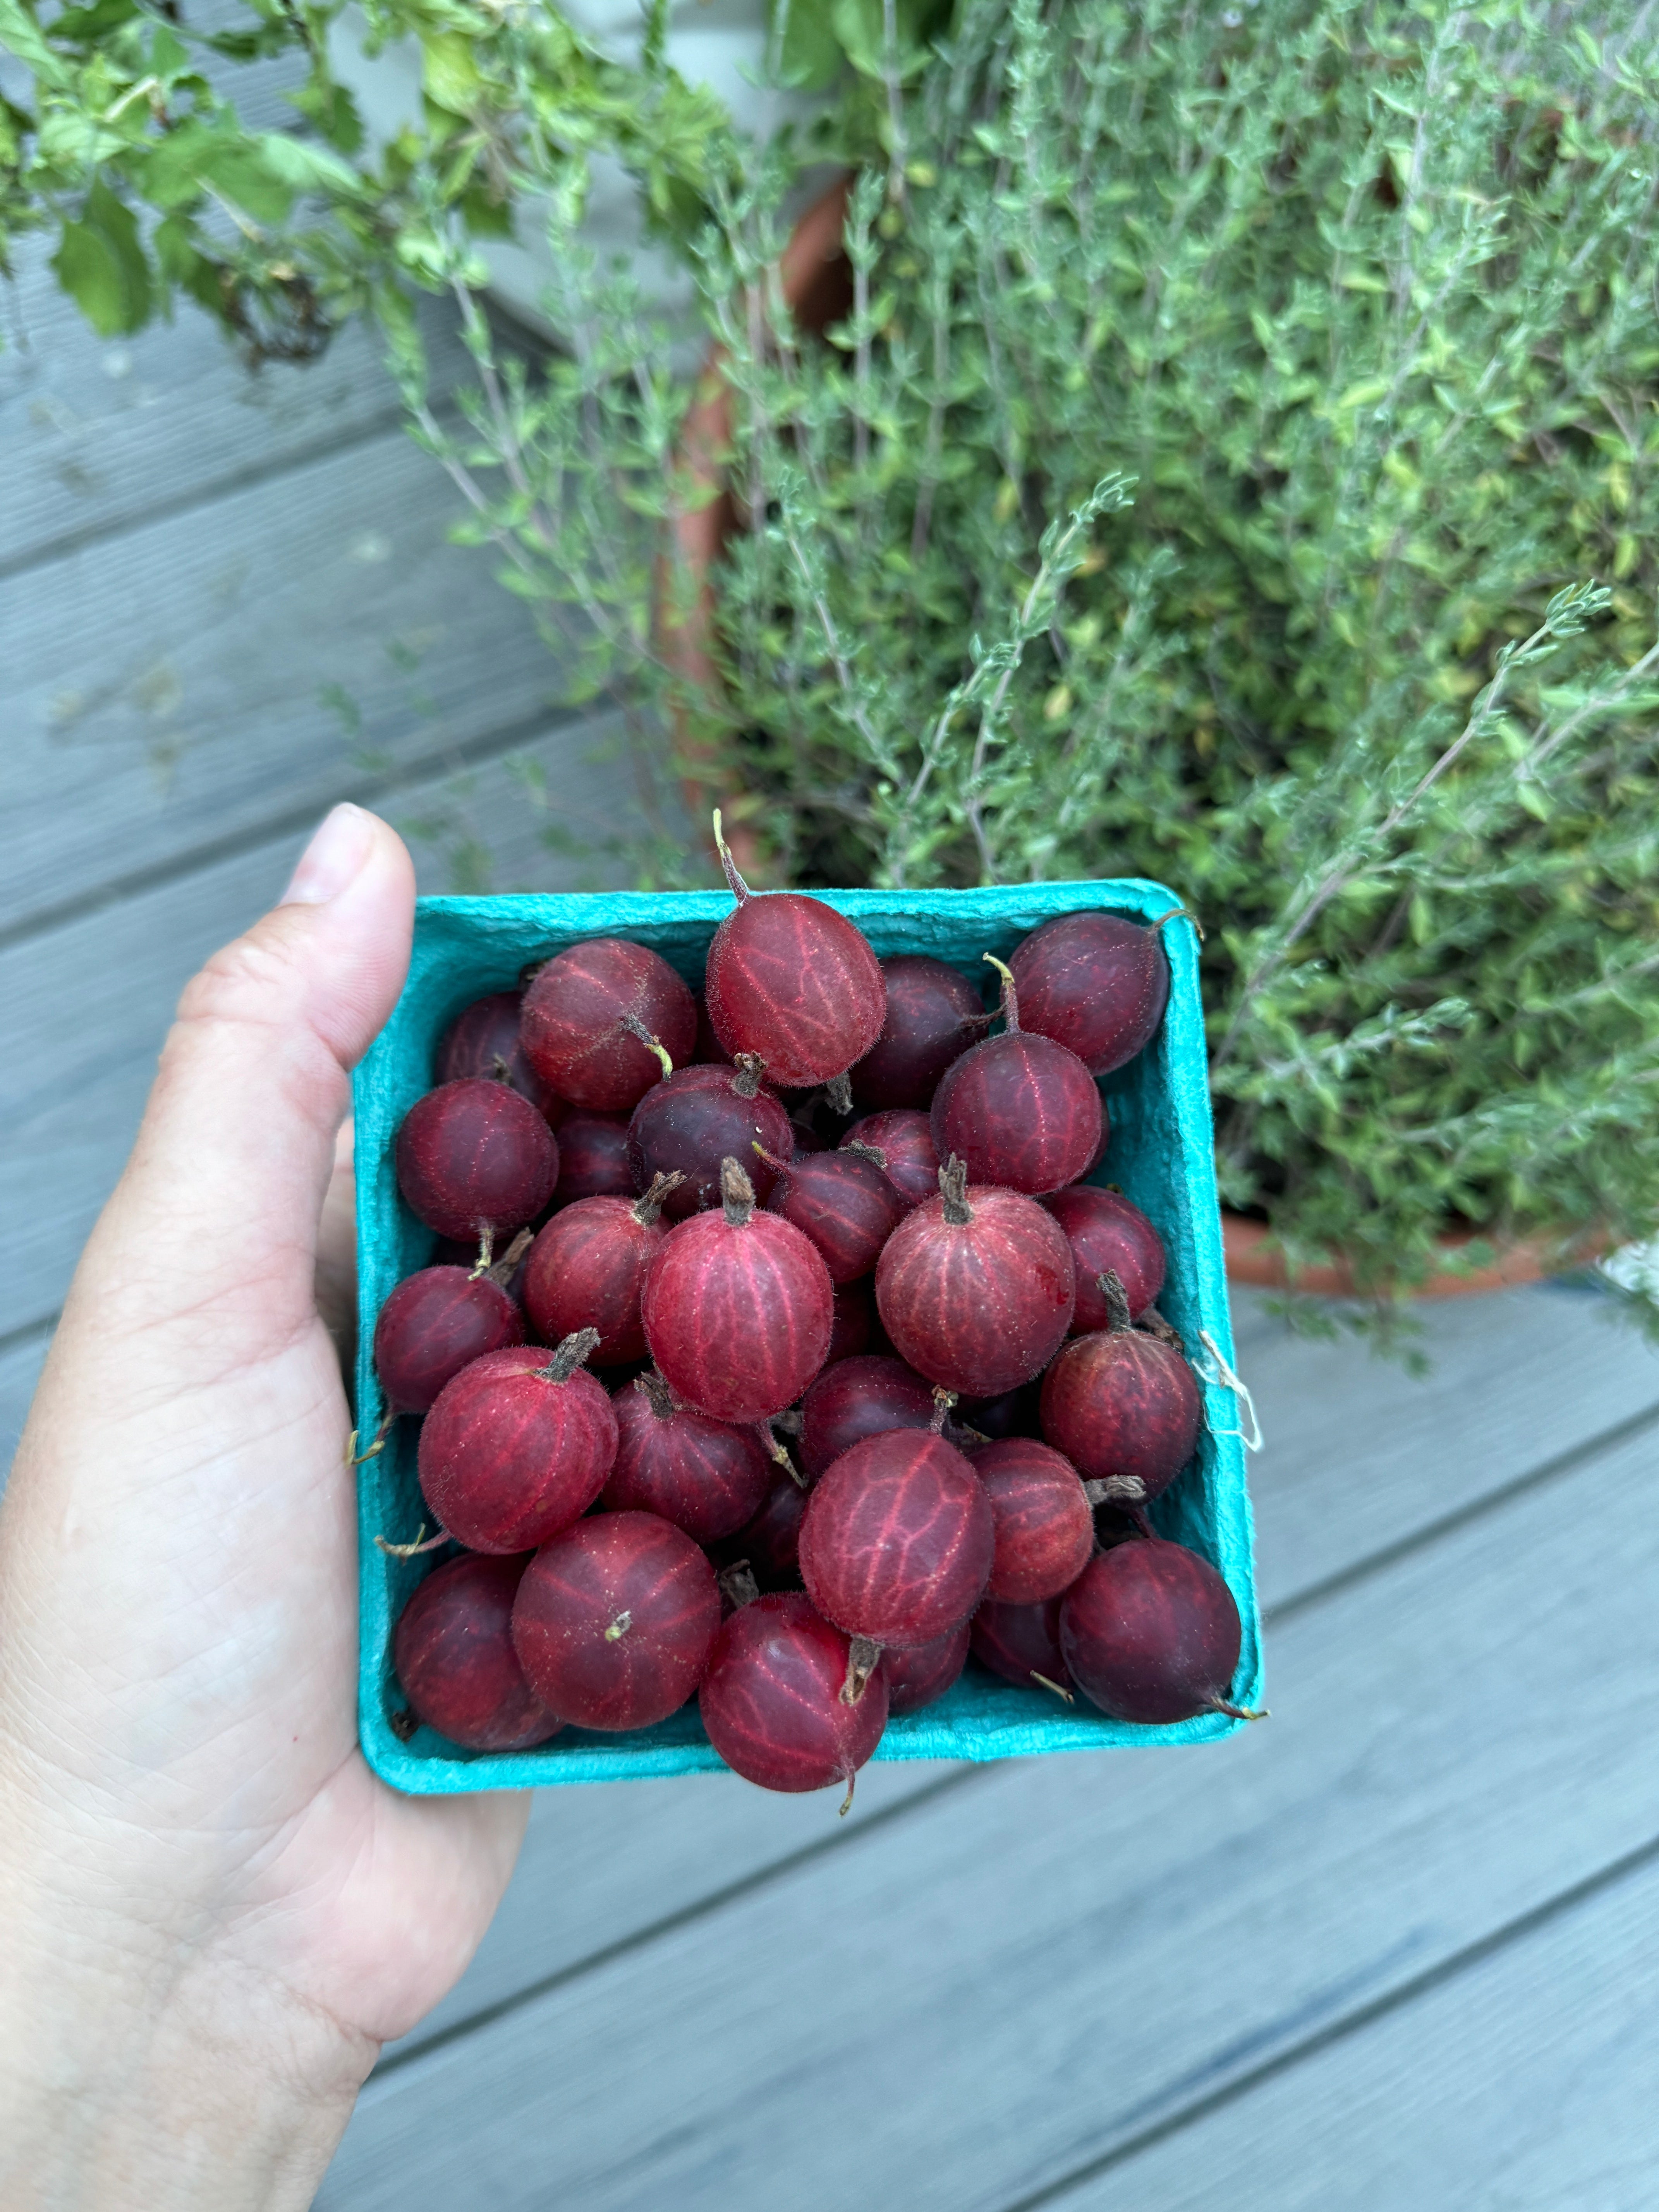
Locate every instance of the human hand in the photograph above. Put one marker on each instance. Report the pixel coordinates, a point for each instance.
(214, 1912)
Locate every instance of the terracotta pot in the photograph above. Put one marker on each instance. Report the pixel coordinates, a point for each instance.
(814, 280)
(1252, 1259)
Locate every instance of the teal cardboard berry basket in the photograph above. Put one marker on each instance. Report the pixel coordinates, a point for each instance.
(1160, 1154)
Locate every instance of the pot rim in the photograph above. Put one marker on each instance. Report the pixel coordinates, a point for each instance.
(1254, 1259)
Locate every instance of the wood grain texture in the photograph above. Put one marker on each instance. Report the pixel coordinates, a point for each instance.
(173, 689)
(1517, 1377)
(1050, 1959)
(99, 435)
(88, 1004)
(1529, 2082)
(610, 1866)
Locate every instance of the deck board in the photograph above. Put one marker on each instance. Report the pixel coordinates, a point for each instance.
(1052, 1957)
(71, 1092)
(1527, 2082)
(319, 630)
(97, 438)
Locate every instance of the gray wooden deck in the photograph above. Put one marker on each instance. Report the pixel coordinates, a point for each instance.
(1397, 1947)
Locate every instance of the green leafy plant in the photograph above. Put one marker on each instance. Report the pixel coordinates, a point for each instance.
(1208, 480)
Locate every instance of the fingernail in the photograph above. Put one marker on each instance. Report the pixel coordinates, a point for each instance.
(337, 849)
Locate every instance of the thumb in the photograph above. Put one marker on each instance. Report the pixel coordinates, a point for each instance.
(214, 1221)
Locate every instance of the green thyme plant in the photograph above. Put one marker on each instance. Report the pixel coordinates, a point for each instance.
(1235, 466)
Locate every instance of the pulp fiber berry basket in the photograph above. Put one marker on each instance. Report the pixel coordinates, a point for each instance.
(1160, 1154)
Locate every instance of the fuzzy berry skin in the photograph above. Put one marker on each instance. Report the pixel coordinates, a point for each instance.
(484, 1040)
(844, 1204)
(507, 1459)
(852, 1324)
(771, 1541)
(693, 1120)
(1044, 1523)
(907, 1139)
(933, 1014)
(615, 1621)
(572, 1022)
(1021, 1641)
(898, 1540)
(737, 1316)
(794, 982)
(434, 1323)
(977, 1306)
(1107, 1235)
(1095, 983)
(1151, 1632)
(453, 1652)
(771, 1700)
(594, 1157)
(1119, 1402)
(709, 1052)
(858, 1398)
(921, 1675)
(585, 1271)
(1022, 1111)
(473, 1157)
(706, 1477)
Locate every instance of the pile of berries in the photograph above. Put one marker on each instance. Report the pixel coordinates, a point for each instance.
(888, 1380)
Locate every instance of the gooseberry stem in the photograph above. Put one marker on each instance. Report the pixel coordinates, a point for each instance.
(953, 1190)
(737, 1195)
(636, 1028)
(568, 1356)
(1010, 995)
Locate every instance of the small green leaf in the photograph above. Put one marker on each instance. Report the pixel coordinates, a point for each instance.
(101, 264)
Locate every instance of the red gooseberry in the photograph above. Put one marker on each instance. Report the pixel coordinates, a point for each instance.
(934, 1014)
(453, 1652)
(771, 1541)
(844, 1202)
(1020, 1109)
(902, 1145)
(517, 1446)
(1107, 1235)
(1094, 982)
(793, 982)
(898, 1538)
(771, 1704)
(921, 1675)
(975, 1288)
(586, 1269)
(434, 1323)
(1151, 1633)
(594, 1157)
(1021, 1643)
(484, 1040)
(475, 1159)
(695, 1118)
(709, 1477)
(615, 1620)
(1120, 1403)
(589, 1015)
(857, 1397)
(736, 1307)
(1045, 1525)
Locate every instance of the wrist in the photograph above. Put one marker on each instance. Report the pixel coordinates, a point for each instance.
(161, 2077)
